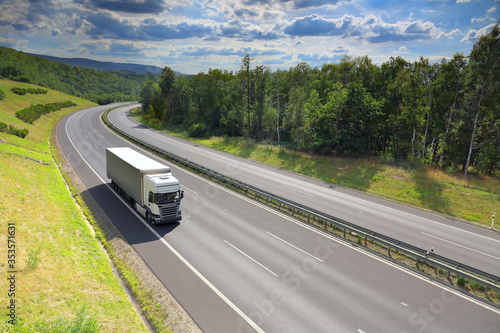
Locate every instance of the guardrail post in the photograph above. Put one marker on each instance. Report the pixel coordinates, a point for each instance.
(344, 232)
(389, 254)
(279, 206)
(308, 218)
(365, 241)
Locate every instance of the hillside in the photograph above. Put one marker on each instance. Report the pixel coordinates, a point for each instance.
(102, 87)
(101, 65)
(59, 269)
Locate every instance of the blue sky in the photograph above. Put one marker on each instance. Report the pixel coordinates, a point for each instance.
(193, 36)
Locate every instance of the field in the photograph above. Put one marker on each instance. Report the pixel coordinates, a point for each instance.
(60, 268)
(446, 192)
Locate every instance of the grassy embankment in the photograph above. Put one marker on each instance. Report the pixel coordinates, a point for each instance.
(70, 271)
(475, 200)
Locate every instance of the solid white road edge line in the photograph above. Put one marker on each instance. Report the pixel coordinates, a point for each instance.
(177, 254)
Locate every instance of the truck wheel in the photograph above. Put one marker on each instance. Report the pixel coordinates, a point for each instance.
(148, 218)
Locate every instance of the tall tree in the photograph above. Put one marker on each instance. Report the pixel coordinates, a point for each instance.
(167, 79)
(484, 77)
(245, 70)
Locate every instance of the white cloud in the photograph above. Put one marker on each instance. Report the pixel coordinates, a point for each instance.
(492, 10)
(477, 19)
(15, 43)
(473, 35)
(463, 1)
(403, 50)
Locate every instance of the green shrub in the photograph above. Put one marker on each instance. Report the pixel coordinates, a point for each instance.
(33, 112)
(461, 281)
(19, 91)
(9, 129)
(2, 95)
(198, 131)
(22, 91)
(477, 286)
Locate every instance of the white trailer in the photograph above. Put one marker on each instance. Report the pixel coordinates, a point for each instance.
(147, 184)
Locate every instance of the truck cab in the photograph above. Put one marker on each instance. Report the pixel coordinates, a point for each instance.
(162, 195)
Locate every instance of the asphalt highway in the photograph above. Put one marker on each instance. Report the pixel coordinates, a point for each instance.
(237, 266)
(465, 243)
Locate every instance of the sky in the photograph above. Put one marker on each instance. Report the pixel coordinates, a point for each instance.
(195, 35)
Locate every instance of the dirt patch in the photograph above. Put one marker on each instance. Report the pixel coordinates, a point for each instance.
(177, 319)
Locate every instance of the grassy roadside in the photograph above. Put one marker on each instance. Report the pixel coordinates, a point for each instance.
(475, 200)
(61, 270)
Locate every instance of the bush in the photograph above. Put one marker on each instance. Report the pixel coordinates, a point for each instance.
(198, 131)
(33, 112)
(477, 286)
(9, 129)
(461, 281)
(19, 91)
(22, 91)
(2, 95)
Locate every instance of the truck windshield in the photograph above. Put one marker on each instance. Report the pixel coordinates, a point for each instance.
(163, 197)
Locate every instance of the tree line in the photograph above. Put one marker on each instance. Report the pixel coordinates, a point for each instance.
(445, 113)
(102, 87)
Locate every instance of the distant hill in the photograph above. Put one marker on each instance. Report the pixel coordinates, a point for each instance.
(103, 66)
(100, 86)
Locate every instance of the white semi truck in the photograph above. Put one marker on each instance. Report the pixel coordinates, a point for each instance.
(147, 184)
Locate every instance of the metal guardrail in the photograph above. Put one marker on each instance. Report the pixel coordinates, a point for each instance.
(471, 273)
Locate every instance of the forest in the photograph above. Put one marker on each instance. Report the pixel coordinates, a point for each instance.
(446, 114)
(102, 87)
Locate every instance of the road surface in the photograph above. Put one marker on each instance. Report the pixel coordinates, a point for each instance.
(237, 266)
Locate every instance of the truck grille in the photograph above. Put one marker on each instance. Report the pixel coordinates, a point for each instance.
(170, 210)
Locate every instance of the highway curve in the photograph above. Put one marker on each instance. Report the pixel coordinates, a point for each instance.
(237, 266)
(462, 242)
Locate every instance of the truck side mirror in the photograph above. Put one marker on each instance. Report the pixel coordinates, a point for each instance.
(151, 197)
(182, 194)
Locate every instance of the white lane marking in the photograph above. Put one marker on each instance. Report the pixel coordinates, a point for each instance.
(246, 255)
(337, 240)
(177, 254)
(292, 188)
(97, 147)
(190, 190)
(465, 247)
(284, 241)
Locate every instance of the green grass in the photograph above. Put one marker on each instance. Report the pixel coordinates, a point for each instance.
(474, 200)
(72, 271)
